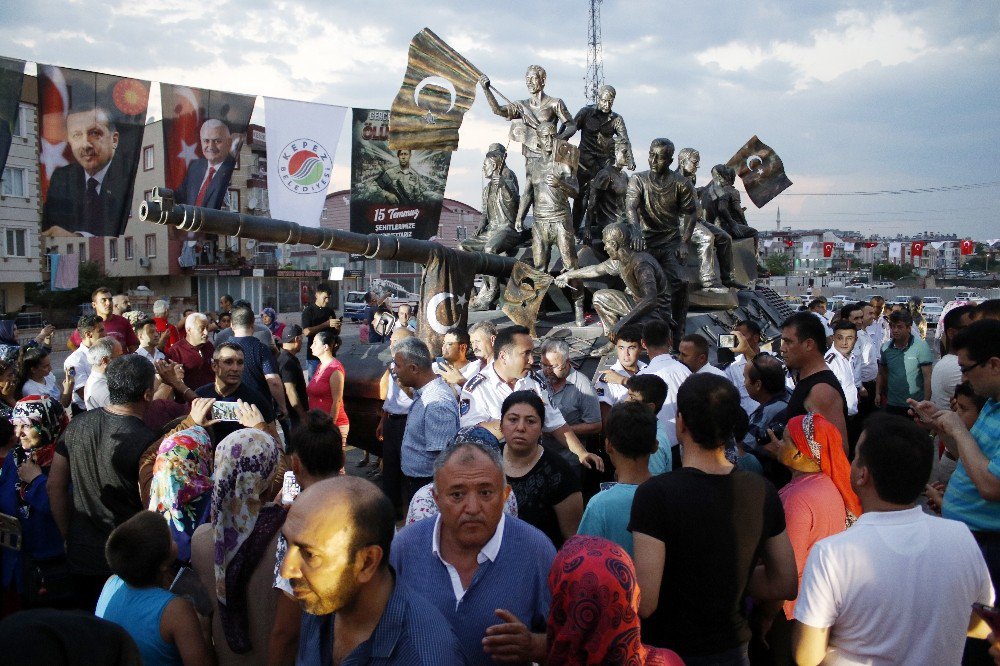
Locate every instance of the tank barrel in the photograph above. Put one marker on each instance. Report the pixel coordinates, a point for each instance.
(160, 208)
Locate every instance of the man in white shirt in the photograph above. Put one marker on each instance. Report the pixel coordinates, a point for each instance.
(897, 587)
(483, 395)
(845, 338)
(610, 385)
(656, 339)
(747, 334)
(864, 358)
(91, 329)
(876, 325)
(149, 337)
(818, 307)
(455, 367)
(947, 374)
(693, 352)
(99, 355)
(481, 337)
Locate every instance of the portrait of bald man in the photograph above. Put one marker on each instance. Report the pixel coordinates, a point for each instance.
(207, 178)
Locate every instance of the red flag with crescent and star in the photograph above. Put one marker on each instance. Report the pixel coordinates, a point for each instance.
(917, 249)
(967, 247)
(789, 242)
(871, 244)
(827, 250)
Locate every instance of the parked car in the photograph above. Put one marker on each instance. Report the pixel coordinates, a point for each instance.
(932, 314)
(354, 304)
(932, 300)
(884, 285)
(966, 295)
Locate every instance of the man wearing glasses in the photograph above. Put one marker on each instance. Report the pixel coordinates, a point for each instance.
(571, 393)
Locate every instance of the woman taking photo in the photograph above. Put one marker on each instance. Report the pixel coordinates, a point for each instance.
(36, 378)
(546, 486)
(38, 423)
(326, 388)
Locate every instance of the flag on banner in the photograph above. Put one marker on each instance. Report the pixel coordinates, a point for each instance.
(848, 247)
(438, 88)
(967, 247)
(895, 252)
(807, 247)
(870, 245)
(916, 249)
(91, 138)
(395, 192)
(203, 131)
(827, 250)
(301, 141)
(11, 81)
(761, 171)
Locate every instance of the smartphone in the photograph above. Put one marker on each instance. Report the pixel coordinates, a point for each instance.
(289, 488)
(72, 371)
(990, 614)
(727, 341)
(224, 411)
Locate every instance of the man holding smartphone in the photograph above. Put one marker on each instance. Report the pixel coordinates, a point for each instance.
(227, 364)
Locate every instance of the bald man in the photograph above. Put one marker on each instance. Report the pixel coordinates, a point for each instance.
(207, 179)
(338, 565)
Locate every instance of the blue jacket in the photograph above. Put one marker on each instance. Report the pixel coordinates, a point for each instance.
(40, 536)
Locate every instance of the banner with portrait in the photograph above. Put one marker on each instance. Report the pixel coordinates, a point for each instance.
(203, 131)
(90, 144)
(11, 80)
(394, 192)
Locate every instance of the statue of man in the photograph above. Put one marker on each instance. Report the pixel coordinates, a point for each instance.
(496, 233)
(602, 134)
(606, 196)
(538, 108)
(660, 206)
(721, 201)
(400, 183)
(709, 239)
(549, 186)
(647, 293)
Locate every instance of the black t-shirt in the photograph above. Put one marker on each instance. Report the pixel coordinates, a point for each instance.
(223, 429)
(714, 527)
(258, 361)
(313, 315)
(103, 451)
(549, 482)
(291, 373)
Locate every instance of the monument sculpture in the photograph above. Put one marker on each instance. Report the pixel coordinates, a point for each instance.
(721, 201)
(605, 197)
(647, 291)
(602, 135)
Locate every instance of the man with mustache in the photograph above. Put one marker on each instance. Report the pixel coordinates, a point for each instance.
(207, 178)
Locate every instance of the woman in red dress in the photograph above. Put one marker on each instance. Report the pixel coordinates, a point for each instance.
(326, 387)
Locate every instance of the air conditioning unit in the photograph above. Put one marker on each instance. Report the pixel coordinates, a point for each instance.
(143, 262)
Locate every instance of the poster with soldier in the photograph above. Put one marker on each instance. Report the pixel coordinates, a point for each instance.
(393, 192)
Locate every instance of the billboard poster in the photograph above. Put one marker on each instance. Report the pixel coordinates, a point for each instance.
(90, 144)
(393, 192)
(203, 131)
(11, 80)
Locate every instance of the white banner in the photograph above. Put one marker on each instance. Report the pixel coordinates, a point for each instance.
(895, 251)
(938, 245)
(807, 247)
(848, 247)
(769, 242)
(301, 142)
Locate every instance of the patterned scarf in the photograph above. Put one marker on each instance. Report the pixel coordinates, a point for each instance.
(594, 616)
(245, 461)
(49, 419)
(181, 474)
(820, 440)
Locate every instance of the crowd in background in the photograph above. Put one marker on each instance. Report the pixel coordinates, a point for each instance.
(182, 492)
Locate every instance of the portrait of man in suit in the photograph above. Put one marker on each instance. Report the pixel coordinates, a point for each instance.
(91, 194)
(207, 179)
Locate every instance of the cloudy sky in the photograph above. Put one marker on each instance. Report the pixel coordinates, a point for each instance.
(854, 96)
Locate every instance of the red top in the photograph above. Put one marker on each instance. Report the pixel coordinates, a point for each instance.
(197, 362)
(117, 327)
(163, 325)
(319, 393)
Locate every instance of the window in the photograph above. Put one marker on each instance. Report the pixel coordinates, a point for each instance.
(129, 251)
(16, 244)
(147, 158)
(113, 249)
(233, 199)
(69, 248)
(83, 251)
(150, 245)
(14, 182)
(20, 128)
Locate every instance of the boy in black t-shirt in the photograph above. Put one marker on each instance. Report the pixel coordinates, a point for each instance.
(700, 531)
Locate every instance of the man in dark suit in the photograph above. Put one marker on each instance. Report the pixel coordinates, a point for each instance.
(207, 178)
(91, 195)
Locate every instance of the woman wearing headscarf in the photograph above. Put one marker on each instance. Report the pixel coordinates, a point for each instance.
(38, 423)
(182, 484)
(594, 615)
(269, 318)
(10, 347)
(234, 554)
(818, 502)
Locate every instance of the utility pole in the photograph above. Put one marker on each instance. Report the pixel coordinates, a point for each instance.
(595, 60)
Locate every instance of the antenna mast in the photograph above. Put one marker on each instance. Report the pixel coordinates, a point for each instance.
(595, 60)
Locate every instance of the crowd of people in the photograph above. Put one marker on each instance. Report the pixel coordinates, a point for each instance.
(182, 493)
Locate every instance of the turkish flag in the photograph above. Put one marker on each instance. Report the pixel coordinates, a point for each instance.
(870, 245)
(916, 249)
(827, 250)
(967, 247)
(789, 242)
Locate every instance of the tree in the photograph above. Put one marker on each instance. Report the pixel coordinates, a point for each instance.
(779, 263)
(892, 271)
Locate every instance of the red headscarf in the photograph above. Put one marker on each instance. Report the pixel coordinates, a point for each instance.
(594, 617)
(820, 440)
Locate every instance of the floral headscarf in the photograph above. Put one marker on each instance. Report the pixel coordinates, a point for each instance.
(274, 319)
(182, 473)
(820, 440)
(245, 461)
(594, 616)
(49, 419)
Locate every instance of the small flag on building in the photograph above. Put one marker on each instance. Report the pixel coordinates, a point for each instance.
(916, 249)
(967, 247)
(827, 250)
